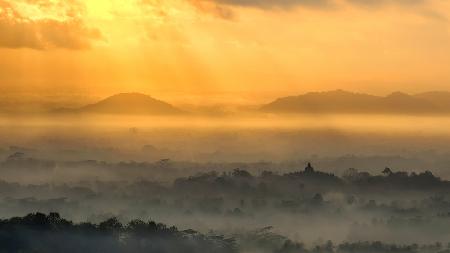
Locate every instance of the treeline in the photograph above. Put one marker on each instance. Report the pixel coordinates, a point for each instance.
(50, 233)
(265, 241)
(362, 247)
(310, 180)
(37, 232)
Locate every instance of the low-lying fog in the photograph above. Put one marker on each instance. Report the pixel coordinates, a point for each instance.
(184, 172)
(333, 142)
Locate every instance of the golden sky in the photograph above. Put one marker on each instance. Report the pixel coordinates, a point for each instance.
(235, 51)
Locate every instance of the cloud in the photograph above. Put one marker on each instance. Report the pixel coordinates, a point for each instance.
(286, 4)
(269, 4)
(225, 8)
(375, 3)
(44, 24)
(213, 8)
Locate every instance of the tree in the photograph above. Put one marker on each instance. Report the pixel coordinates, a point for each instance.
(387, 171)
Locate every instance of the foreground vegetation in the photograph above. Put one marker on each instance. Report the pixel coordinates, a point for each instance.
(50, 233)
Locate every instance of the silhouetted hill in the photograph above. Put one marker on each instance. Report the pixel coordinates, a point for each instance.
(127, 103)
(404, 103)
(439, 98)
(340, 101)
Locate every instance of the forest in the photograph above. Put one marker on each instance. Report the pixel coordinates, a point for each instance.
(38, 232)
(249, 209)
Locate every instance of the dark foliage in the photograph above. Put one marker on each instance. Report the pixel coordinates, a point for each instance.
(50, 233)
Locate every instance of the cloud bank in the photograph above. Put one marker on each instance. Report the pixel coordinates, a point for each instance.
(270, 4)
(273, 3)
(44, 24)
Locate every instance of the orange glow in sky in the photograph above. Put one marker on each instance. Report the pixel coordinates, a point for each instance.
(202, 51)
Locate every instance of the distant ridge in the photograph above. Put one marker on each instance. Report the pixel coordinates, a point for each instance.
(340, 101)
(127, 103)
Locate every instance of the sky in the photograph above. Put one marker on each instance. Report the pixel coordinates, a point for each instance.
(222, 51)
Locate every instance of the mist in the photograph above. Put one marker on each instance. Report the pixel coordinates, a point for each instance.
(241, 177)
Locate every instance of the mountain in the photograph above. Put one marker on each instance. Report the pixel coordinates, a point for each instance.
(127, 103)
(439, 98)
(340, 101)
(399, 102)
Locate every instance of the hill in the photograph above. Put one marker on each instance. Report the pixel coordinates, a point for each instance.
(127, 103)
(439, 98)
(340, 101)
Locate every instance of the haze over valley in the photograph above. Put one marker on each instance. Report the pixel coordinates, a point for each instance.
(224, 126)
